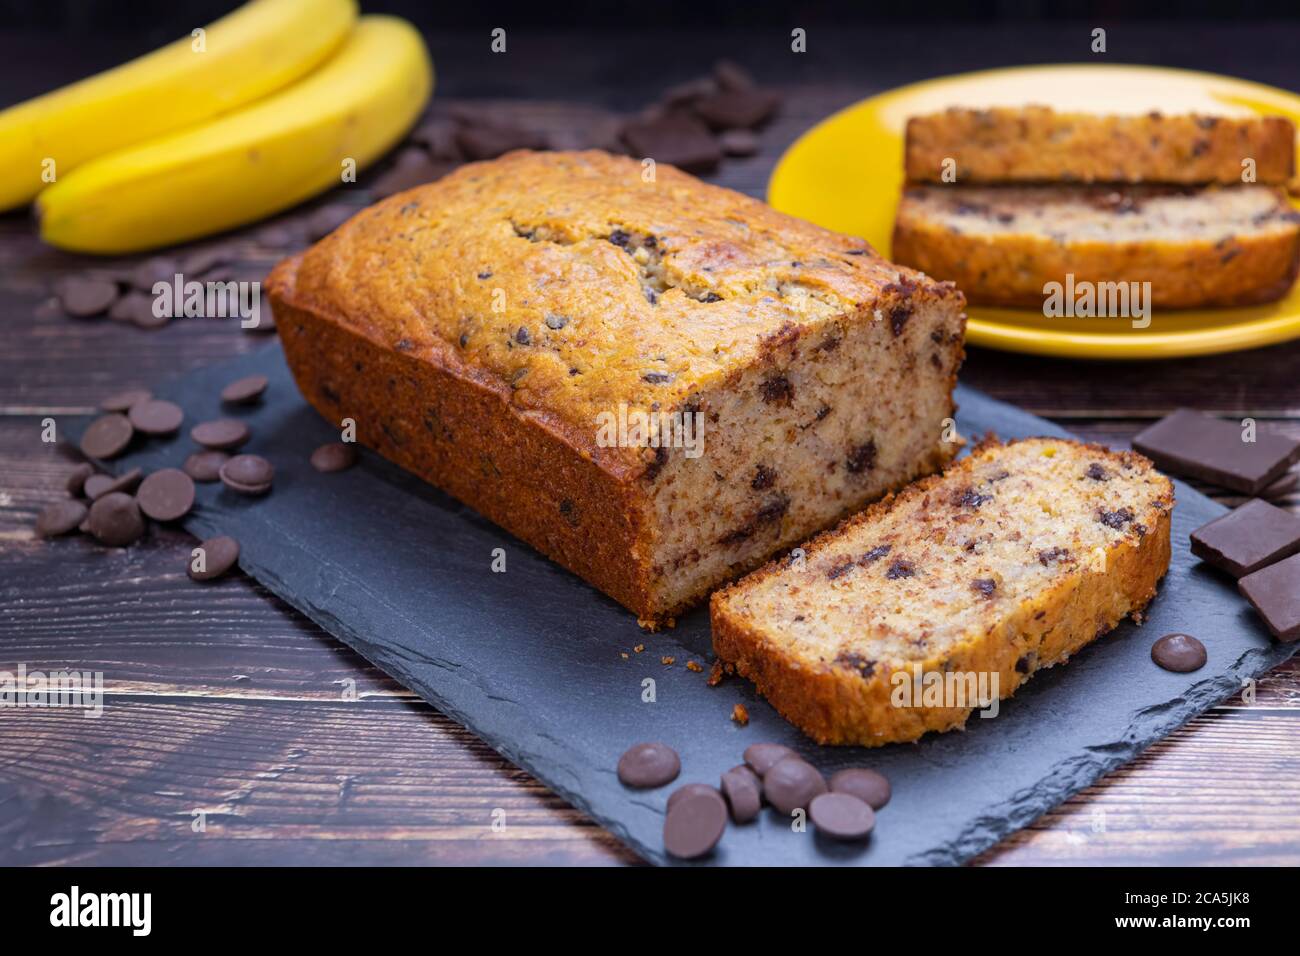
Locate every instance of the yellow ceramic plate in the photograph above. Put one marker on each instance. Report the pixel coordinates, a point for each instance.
(846, 173)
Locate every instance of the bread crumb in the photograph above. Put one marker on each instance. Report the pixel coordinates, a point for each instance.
(639, 648)
(740, 715)
(667, 661)
(624, 654)
(716, 674)
(694, 667)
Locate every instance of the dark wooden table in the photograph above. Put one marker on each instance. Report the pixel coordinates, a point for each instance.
(223, 699)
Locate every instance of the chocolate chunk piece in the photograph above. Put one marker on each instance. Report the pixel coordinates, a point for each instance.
(244, 391)
(336, 456)
(401, 178)
(202, 261)
(247, 474)
(482, 141)
(122, 401)
(107, 436)
(738, 142)
(1199, 446)
(695, 824)
(218, 556)
(732, 76)
(791, 784)
(156, 417)
(1247, 539)
(1283, 486)
(99, 485)
(763, 757)
(224, 434)
(115, 519)
(84, 296)
(649, 765)
(687, 789)
(869, 786)
(674, 138)
(60, 517)
(744, 793)
(154, 270)
(76, 483)
(1275, 593)
(166, 495)
(205, 465)
(326, 219)
(841, 816)
(737, 109)
(1180, 653)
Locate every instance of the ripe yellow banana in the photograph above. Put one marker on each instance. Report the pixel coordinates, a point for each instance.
(257, 49)
(245, 165)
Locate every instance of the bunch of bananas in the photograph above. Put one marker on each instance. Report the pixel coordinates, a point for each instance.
(274, 103)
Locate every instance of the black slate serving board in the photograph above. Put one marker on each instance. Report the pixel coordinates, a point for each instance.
(530, 659)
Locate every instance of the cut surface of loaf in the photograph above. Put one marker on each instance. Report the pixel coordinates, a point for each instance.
(1230, 245)
(1012, 560)
(506, 331)
(1037, 144)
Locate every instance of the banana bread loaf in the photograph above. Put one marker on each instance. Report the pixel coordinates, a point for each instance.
(1197, 246)
(507, 332)
(1037, 144)
(1012, 560)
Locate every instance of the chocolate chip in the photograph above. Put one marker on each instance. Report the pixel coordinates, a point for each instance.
(744, 793)
(875, 554)
(970, 498)
(1253, 536)
(115, 520)
(244, 391)
(732, 109)
(791, 784)
(1051, 555)
(556, 322)
(219, 556)
(869, 786)
(84, 297)
(224, 434)
(657, 378)
(842, 816)
(1097, 473)
(764, 478)
(166, 495)
(336, 456)
(695, 824)
(205, 465)
(152, 271)
(60, 517)
(687, 789)
(326, 219)
(129, 306)
(1180, 653)
(1199, 446)
(649, 765)
(1115, 519)
(522, 336)
(489, 142)
(732, 76)
(675, 138)
(122, 401)
(901, 568)
(140, 312)
(99, 485)
(984, 587)
(107, 436)
(739, 142)
(202, 261)
(1275, 593)
(898, 317)
(76, 482)
(776, 389)
(763, 757)
(156, 417)
(247, 474)
(861, 458)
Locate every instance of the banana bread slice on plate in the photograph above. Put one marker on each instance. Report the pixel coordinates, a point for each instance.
(1002, 245)
(1012, 560)
(1038, 144)
(656, 382)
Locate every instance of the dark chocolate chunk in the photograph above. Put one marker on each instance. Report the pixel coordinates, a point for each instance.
(156, 417)
(1097, 473)
(875, 554)
(247, 474)
(60, 517)
(224, 434)
(205, 465)
(1200, 446)
(695, 824)
(984, 587)
(99, 485)
(763, 757)
(649, 765)
(85, 296)
(675, 138)
(122, 401)
(1283, 486)
(401, 178)
(489, 142)
(861, 458)
(166, 495)
(244, 391)
(1115, 519)
(115, 519)
(326, 219)
(732, 76)
(744, 793)
(732, 109)
(76, 482)
(791, 784)
(764, 478)
(1247, 539)
(842, 816)
(738, 142)
(1275, 593)
(218, 556)
(154, 270)
(869, 786)
(107, 436)
(902, 568)
(1180, 653)
(776, 389)
(336, 456)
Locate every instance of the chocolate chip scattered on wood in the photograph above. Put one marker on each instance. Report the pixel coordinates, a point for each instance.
(219, 555)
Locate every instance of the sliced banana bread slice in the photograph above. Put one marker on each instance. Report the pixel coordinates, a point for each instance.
(1037, 144)
(1002, 245)
(1011, 560)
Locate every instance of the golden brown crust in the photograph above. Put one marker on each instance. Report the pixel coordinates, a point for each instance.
(1239, 264)
(835, 704)
(1037, 144)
